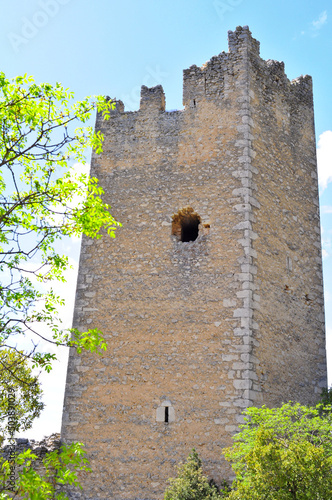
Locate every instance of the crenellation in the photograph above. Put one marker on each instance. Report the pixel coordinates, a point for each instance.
(193, 86)
(241, 38)
(118, 107)
(152, 98)
(301, 97)
(276, 71)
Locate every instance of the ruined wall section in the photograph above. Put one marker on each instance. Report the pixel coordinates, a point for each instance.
(176, 314)
(39, 449)
(290, 312)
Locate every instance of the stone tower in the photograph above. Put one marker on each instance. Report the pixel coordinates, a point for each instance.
(211, 295)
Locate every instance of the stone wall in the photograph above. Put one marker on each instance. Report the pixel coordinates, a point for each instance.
(199, 330)
(288, 264)
(38, 448)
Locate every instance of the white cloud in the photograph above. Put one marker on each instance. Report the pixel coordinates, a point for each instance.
(324, 159)
(79, 169)
(328, 298)
(326, 209)
(75, 172)
(326, 243)
(53, 383)
(316, 25)
(326, 246)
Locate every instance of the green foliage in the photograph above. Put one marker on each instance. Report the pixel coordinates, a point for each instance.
(42, 200)
(191, 484)
(326, 396)
(20, 397)
(61, 467)
(283, 453)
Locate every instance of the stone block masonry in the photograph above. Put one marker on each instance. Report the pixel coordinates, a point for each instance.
(38, 448)
(211, 295)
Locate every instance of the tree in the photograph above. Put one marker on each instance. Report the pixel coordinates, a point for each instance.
(283, 453)
(60, 468)
(42, 200)
(191, 484)
(326, 396)
(16, 378)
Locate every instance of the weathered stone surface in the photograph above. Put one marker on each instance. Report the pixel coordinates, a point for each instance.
(38, 448)
(209, 326)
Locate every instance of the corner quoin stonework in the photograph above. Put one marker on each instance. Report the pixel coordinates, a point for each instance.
(197, 331)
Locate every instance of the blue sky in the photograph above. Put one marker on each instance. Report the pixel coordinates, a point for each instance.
(112, 48)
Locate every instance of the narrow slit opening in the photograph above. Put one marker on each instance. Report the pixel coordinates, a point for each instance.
(166, 414)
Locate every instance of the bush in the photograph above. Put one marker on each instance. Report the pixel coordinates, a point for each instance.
(283, 453)
(191, 484)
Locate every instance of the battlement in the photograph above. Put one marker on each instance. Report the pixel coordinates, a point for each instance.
(215, 78)
(242, 38)
(276, 69)
(301, 89)
(119, 107)
(152, 98)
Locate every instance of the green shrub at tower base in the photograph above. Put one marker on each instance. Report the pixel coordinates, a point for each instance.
(191, 484)
(283, 453)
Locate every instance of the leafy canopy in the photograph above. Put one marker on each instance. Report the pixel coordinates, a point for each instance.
(283, 453)
(17, 379)
(43, 199)
(191, 484)
(60, 468)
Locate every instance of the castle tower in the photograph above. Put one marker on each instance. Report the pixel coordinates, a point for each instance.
(211, 295)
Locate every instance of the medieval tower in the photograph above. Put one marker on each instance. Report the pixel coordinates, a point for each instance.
(211, 295)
